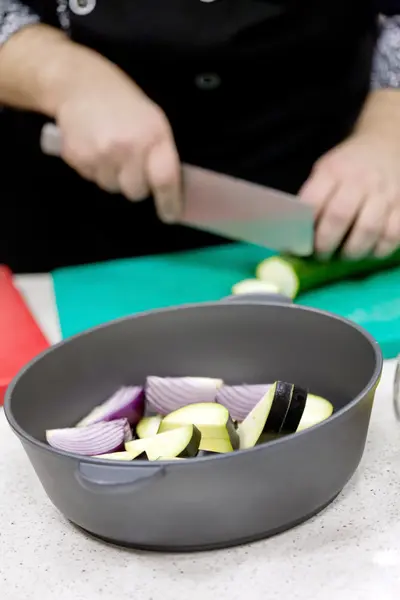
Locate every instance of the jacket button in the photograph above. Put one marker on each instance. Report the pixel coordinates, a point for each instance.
(208, 81)
(82, 7)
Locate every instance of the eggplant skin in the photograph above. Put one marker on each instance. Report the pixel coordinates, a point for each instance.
(192, 447)
(279, 408)
(296, 410)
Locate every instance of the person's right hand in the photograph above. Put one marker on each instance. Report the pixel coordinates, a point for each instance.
(114, 135)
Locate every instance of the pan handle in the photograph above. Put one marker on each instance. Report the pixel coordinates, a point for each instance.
(259, 298)
(113, 479)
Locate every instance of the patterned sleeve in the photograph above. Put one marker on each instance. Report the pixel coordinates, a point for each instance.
(15, 14)
(386, 68)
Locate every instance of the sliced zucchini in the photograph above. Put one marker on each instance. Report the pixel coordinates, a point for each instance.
(295, 411)
(148, 426)
(182, 442)
(255, 286)
(214, 422)
(281, 272)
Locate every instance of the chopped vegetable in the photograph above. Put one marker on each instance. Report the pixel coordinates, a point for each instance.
(251, 429)
(293, 275)
(126, 403)
(295, 410)
(317, 409)
(115, 456)
(305, 410)
(241, 399)
(280, 408)
(217, 429)
(262, 413)
(182, 442)
(165, 394)
(255, 286)
(148, 426)
(99, 438)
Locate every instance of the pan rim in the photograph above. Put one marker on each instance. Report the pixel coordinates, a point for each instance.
(372, 383)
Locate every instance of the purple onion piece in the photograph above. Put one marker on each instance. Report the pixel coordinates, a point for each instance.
(99, 438)
(166, 394)
(125, 403)
(241, 399)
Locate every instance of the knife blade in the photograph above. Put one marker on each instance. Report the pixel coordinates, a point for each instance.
(245, 211)
(233, 208)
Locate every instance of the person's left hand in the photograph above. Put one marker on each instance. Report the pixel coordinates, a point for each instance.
(355, 192)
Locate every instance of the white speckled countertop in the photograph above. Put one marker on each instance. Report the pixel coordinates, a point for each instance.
(349, 552)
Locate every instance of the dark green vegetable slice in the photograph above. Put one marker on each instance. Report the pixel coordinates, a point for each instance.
(281, 404)
(182, 442)
(295, 410)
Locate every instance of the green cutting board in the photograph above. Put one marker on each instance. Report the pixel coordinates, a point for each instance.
(94, 294)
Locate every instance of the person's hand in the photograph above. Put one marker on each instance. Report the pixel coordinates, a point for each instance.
(355, 192)
(114, 135)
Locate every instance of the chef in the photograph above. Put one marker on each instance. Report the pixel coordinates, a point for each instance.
(273, 91)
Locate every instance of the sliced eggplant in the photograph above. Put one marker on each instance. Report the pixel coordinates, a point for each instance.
(181, 442)
(265, 438)
(116, 456)
(281, 403)
(148, 426)
(218, 432)
(273, 416)
(295, 410)
(216, 446)
(251, 429)
(316, 410)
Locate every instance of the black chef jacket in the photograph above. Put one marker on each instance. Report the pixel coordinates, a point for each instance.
(255, 88)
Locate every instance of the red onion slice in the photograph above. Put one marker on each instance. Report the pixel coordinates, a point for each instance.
(166, 394)
(99, 438)
(241, 399)
(125, 403)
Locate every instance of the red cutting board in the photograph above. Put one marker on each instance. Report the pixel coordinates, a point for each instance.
(21, 339)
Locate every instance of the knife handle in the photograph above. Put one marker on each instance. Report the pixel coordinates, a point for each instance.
(51, 140)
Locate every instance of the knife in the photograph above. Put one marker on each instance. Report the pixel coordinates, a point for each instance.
(233, 208)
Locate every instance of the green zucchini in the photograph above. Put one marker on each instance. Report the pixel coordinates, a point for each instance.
(293, 275)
